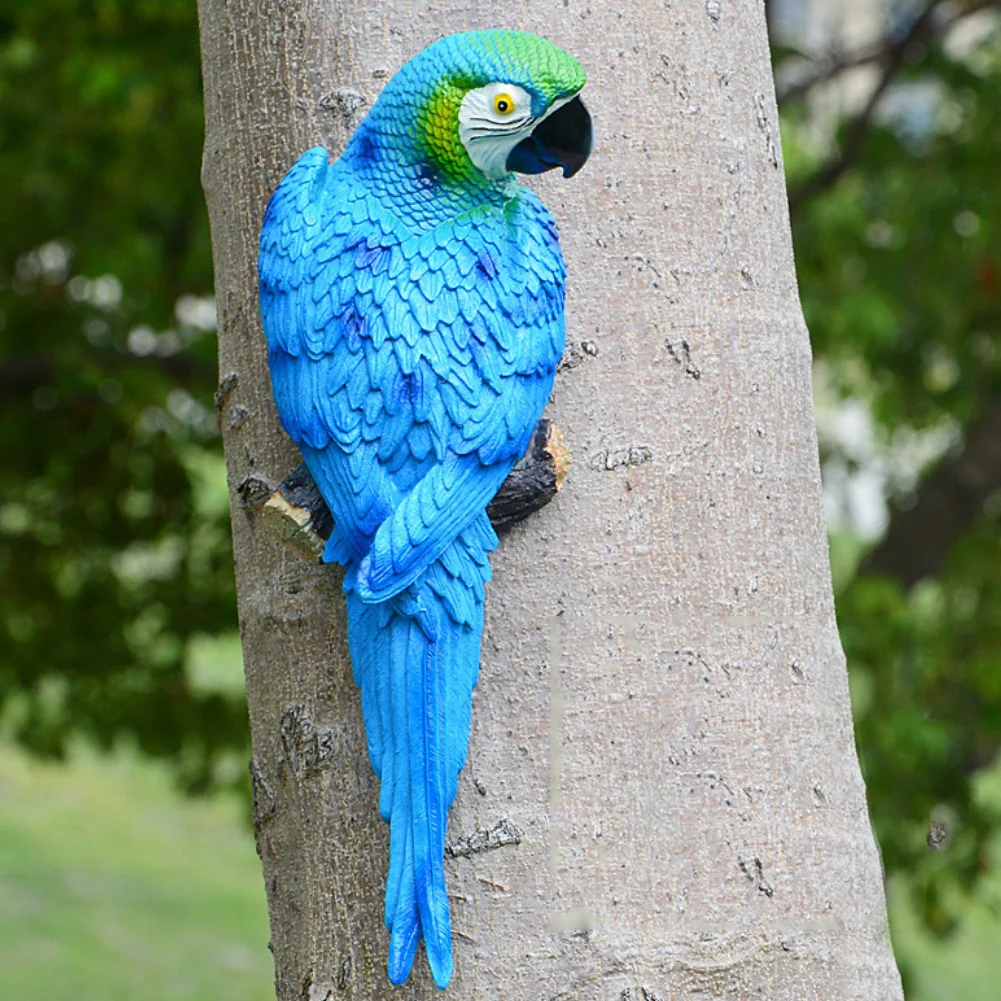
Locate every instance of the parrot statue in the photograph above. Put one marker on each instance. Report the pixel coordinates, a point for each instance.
(412, 299)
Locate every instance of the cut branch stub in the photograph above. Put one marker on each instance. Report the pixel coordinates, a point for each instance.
(535, 479)
(297, 515)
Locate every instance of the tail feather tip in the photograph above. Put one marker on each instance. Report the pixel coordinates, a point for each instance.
(441, 969)
(402, 947)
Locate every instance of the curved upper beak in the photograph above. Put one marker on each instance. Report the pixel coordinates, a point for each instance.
(562, 139)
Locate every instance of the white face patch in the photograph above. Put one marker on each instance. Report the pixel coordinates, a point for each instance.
(492, 121)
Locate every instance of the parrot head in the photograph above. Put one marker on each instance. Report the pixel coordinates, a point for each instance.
(479, 105)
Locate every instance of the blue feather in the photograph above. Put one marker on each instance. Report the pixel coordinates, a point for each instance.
(411, 366)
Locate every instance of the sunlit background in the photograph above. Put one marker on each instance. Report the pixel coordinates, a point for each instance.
(127, 867)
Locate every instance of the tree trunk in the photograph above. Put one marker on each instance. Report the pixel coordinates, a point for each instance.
(662, 798)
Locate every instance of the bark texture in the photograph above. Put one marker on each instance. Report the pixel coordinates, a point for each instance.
(662, 799)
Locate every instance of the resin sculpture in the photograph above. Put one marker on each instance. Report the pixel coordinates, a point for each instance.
(412, 298)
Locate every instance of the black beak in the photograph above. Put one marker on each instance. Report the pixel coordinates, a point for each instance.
(564, 139)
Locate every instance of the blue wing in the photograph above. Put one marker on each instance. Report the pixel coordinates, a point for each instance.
(411, 369)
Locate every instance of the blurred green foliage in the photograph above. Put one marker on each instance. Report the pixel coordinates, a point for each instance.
(114, 546)
(899, 260)
(117, 607)
(899, 265)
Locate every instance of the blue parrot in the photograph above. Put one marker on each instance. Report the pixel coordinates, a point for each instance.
(412, 300)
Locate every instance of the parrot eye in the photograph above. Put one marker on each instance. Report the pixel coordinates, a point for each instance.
(492, 121)
(504, 104)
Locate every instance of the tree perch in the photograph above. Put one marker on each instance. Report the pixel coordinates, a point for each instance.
(297, 515)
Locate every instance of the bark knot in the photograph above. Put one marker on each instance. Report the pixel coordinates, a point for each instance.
(305, 748)
(754, 871)
(613, 458)
(483, 840)
(263, 794)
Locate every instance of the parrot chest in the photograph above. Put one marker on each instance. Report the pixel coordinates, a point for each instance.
(435, 333)
(391, 351)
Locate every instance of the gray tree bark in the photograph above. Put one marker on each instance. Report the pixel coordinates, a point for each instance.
(662, 798)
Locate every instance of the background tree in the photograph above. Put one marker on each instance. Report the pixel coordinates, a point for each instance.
(114, 542)
(897, 226)
(662, 727)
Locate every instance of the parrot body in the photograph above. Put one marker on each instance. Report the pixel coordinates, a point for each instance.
(413, 309)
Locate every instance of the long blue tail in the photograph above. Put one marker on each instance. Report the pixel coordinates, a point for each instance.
(416, 659)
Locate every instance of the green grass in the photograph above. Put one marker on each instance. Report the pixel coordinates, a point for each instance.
(115, 888)
(966, 966)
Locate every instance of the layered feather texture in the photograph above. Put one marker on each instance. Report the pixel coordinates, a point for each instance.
(411, 357)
